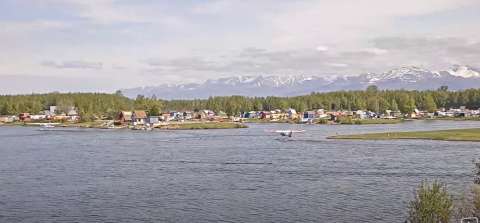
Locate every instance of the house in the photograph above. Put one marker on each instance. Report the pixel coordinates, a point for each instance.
(25, 117)
(187, 115)
(221, 115)
(72, 111)
(52, 110)
(38, 117)
(265, 115)
(165, 117)
(205, 114)
(153, 120)
(7, 118)
(124, 117)
(251, 114)
(139, 117)
(278, 115)
(309, 116)
(360, 114)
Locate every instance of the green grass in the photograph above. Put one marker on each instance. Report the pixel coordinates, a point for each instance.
(350, 121)
(257, 120)
(376, 121)
(204, 125)
(446, 135)
(471, 118)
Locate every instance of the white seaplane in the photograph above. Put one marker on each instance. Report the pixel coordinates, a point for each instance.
(288, 133)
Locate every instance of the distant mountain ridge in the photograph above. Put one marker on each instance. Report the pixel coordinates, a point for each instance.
(410, 78)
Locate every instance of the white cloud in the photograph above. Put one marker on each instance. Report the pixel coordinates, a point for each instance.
(75, 64)
(322, 48)
(376, 51)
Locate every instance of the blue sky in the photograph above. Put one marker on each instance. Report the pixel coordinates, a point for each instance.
(103, 45)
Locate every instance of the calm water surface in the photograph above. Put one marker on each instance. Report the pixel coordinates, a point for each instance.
(236, 175)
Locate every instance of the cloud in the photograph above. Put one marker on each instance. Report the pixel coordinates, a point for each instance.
(384, 53)
(74, 65)
(322, 48)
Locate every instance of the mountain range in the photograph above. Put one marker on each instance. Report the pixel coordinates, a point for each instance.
(409, 78)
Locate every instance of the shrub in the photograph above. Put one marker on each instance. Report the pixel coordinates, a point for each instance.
(322, 121)
(432, 203)
(345, 120)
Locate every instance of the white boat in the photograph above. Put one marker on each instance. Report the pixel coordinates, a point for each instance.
(47, 125)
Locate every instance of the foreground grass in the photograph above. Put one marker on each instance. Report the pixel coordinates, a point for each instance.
(204, 125)
(446, 135)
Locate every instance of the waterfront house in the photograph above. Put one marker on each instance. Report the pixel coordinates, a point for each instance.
(222, 115)
(165, 117)
(124, 117)
(71, 111)
(139, 117)
(292, 113)
(153, 120)
(52, 110)
(187, 115)
(205, 114)
(360, 114)
(309, 116)
(7, 118)
(38, 117)
(25, 117)
(265, 115)
(251, 114)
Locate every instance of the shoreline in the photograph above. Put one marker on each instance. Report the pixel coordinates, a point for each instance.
(468, 135)
(165, 126)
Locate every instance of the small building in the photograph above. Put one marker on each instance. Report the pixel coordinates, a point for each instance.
(265, 115)
(38, 117)
(360, 114)
(124, 117)
(7, 118)
(52, 110)
(187, 115)
(153, 120)
(251, 114)
(25, 117)
(139, 117)
(72, 111)
(165, 117)
(221, 115)
(308, 116)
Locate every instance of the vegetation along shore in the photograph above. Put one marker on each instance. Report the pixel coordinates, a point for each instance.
(445, 135)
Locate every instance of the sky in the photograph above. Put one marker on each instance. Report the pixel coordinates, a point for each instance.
(105, 45)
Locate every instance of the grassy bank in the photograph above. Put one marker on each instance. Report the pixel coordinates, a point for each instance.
(203, 125)
(256, 120)
(349, 121)
(446, 135)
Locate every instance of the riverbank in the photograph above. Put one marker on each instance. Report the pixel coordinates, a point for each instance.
(202, 125)
(369, 121)
(102, 124)
(445, 135)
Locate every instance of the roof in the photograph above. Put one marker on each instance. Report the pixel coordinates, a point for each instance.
(126, 115)
(140, 114)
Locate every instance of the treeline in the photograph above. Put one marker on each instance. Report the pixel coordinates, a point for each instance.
(370, 99)
(95, 105)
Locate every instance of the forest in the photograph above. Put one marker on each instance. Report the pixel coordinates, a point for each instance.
(102, 105)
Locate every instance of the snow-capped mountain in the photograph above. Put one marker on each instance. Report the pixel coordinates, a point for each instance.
(464, 71)
(411, 78)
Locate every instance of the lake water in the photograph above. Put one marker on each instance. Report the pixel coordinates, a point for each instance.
(235, 175)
